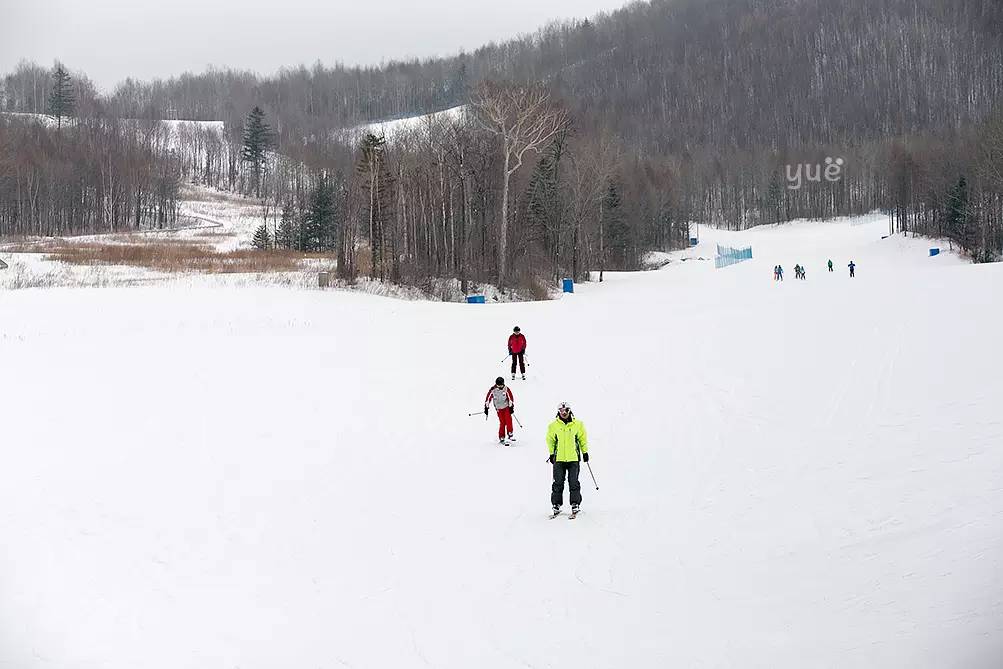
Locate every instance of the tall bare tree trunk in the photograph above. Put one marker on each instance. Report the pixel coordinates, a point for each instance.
(503, 232)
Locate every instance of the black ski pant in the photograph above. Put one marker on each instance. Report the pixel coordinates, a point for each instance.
(522, 362)
(570, 469)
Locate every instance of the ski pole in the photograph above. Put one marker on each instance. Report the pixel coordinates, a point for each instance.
(517, 421)
(593, 475)
(506, 357)
(476, 413)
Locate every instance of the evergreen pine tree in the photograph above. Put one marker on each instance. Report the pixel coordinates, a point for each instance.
(318, 227)
(286, 236)
(61, 100)
(262, 238)
(615, 226)
(257, 141)
(775, 199)
(589, 35)
(458, 85)
(957, 213)
(545, 210)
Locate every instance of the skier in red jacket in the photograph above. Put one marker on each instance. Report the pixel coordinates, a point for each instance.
(517, 349)
(504, 403)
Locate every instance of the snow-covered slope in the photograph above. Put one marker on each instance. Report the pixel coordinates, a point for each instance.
(395, 128)
(174, 131)
(797, 474)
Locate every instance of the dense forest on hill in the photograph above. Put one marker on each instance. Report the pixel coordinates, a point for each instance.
(728, 112)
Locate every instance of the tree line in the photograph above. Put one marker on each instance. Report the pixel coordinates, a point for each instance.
(673, 111)
(669, 76)
(85, 174)
(509, 193)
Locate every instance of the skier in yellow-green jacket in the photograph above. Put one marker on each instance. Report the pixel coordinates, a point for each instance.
(568, 445)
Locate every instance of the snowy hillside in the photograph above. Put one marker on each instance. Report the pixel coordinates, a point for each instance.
(173, 132)
(393, 129)
(803, 474)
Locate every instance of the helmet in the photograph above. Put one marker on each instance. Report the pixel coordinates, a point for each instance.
(563, 405)
(499, 381)
(515, 329)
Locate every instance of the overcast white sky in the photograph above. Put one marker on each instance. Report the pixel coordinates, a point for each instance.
(113, 39)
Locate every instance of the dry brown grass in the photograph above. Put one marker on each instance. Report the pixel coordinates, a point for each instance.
(363, 259)
(534, 286)
(173, 256)
(208, 234)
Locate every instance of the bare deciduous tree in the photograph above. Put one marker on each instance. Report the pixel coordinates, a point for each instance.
(524, 118)
(591, 170)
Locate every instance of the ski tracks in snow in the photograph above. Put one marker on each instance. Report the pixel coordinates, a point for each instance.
(704, 416)
(881, 391)
(578, 577)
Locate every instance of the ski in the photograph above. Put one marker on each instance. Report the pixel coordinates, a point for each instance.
(573, 515)
(554, 515)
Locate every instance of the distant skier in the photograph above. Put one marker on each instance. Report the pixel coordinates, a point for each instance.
(853, 269)
(780, 272)
(830, 265)
(517, 349)
(797, 271)
(568, 445)
(504, 403)
(804, 274)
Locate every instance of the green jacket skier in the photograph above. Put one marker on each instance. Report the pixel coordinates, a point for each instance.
(567, 445)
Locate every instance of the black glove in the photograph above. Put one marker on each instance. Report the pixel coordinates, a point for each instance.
(552, 459)
(485, 411)
(511, 409)
(585, 457)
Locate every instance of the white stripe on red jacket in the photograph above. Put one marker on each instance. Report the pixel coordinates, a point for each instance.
(500, 397)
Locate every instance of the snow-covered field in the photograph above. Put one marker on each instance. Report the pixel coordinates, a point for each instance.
(227, 221)
(222, 223)
(218, 221)
(806, 474)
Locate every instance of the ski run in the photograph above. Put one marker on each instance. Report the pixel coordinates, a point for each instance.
(795, 474)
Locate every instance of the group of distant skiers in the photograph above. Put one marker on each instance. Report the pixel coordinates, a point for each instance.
(567, 441)
(799, 271)
(501, 397)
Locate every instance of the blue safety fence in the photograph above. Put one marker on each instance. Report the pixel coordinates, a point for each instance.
(728, 256)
